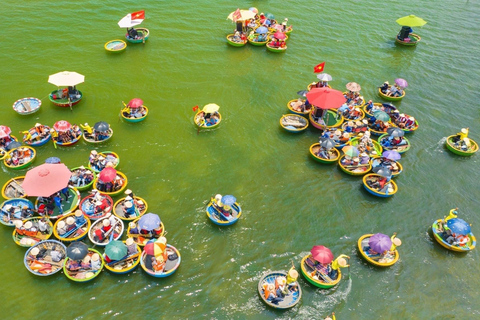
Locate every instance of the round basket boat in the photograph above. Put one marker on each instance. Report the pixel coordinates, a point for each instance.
(300, 113)
(3, 151)
(45, 266)
(125, 265)
(33, 142)
(83, 275)
(363, 248)
(400, 149)
(453, 148)
(86, 186)
(78, 232)
(63, 102)
(276, 50)
(13, 188)
(409, 129)
(21, 163)
(88, 207)
(202, 125)
(324, 281)
(143, 115)
(88, 138)
(99, 237)
(375, 151)
(334, 154)
(69, 143)
(120, 175)
(379, 133)
(333, 122)
(171, 265)
(293, 123)
(26, 106)
(28, 238)
(361, 101)
(469, 246)
(234, 43)
(217, 217)
(251, 39)
(359, 170)
(379, 193)
(388, 98)
(69, 205)
(413, 40)
(109, 156)
(394, 166)
(291, 299)
(115, 46)
(142, 239)
(143, 34)
(140, 205)
(17, 204)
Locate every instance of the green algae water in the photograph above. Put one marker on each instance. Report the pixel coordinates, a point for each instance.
(290, 202)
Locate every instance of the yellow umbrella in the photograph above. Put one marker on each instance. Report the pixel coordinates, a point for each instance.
(210, 108)
(411, 21)
(244, 15)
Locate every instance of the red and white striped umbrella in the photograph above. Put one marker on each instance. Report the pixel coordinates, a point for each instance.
(5, 131)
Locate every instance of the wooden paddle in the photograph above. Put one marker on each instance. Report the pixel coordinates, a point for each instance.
(113, 263)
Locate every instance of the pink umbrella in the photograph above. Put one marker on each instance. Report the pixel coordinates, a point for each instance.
(62, 126)
(279, 35)
(5, 131)
(135, 103)
(107, 175)
(322, 254)
(46, 179)
(278, 27)
(326, 98)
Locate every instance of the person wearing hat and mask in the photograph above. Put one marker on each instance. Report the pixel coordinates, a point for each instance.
(96, 263)
(384, 87)
(133, 228)
(79, 218)
(131, 246)
(106, 226)
(129, 210)
(338, 263)
(61, 227)
(70, 224)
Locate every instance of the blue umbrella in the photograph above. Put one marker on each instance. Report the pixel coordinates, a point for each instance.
(53, 160)
(261, 30)
(458, 226)
(391, 155)
(228, 200)
(149, 222)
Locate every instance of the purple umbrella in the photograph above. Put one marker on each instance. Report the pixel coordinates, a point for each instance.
(391, 155)
(401, 82)
(53, 160)
(380, 242)
(149, 222)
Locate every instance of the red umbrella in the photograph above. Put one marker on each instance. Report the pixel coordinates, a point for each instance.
(326, 98)
(107, 175)
(62, 126)
(135, 103)
(5, 131)
(279, 35)
(46, 179)
(322, 254)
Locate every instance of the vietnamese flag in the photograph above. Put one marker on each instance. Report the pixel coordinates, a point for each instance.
(138, 15)
(319, 67)
(195, 108)
(236, 15)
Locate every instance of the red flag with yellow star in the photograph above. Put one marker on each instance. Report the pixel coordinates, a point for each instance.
(319, 67)
(138, 15)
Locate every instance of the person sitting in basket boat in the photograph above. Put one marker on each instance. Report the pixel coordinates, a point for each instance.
(132, 33)
(323, 153)
(85, 264)
(384, 87)
(131, 247)
(338, 263)
(404, 33)
(369, 106)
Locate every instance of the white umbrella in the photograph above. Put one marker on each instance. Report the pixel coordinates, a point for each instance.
(127, 21)
(66, 78)
(244, 15)
(324, 77)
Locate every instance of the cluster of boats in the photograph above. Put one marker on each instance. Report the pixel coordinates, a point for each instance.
(349, 123)
(46, 203)
(259, 29)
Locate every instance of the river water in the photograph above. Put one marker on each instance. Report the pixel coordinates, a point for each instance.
(290, 202)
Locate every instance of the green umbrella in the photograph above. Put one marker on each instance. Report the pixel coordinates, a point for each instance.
(350, 151)
(116, 250)
(411, 21)
(270, 16)
(381, 115)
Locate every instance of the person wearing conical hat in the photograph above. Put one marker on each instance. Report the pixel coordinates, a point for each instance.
(96, 262)
(159, 264)
(85, 264)
(384, 87)
(131, 246)
(79, 218)
(61, 227)
(396, 242)
(26, 212)
(292, 277)
(106, 225)
(338, 263)
(70, 223)
(133, 228)
(87, 129)
(43, 225)
(129, 210)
